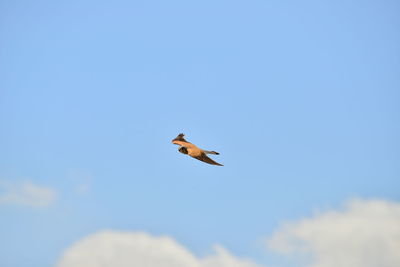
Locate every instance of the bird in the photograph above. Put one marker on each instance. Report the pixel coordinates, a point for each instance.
(192, 150)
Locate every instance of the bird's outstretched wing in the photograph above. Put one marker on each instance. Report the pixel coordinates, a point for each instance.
(180, 138)
(203, 157)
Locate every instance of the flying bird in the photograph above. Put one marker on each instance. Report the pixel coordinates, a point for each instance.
(190, 149)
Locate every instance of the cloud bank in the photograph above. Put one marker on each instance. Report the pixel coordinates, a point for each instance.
(123, 249)
(363, 234)
(26, 194)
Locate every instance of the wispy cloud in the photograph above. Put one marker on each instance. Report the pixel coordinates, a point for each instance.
(363, 234)
(111, 248)
(82, 181)
(26, 194)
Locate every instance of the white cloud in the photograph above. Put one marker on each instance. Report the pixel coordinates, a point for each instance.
(222, 258)
(364, 234)
(123, 249)
(26, 193)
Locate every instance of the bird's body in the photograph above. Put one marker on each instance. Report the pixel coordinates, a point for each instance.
(192, 150)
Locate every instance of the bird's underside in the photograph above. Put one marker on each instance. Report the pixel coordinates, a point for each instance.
(190, 149)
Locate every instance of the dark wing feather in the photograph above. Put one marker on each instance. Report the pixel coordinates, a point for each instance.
(180, 138)
(203, 157)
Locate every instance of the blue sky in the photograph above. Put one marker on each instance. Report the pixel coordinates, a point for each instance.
(301, 98)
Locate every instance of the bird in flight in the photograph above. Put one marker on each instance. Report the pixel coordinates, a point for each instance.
(190, 149)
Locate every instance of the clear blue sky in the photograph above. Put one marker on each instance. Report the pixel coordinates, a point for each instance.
(301, 98)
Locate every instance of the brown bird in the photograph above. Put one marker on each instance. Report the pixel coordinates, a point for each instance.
(190, 149)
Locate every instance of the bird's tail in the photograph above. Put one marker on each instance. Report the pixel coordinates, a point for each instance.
(211, 152)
